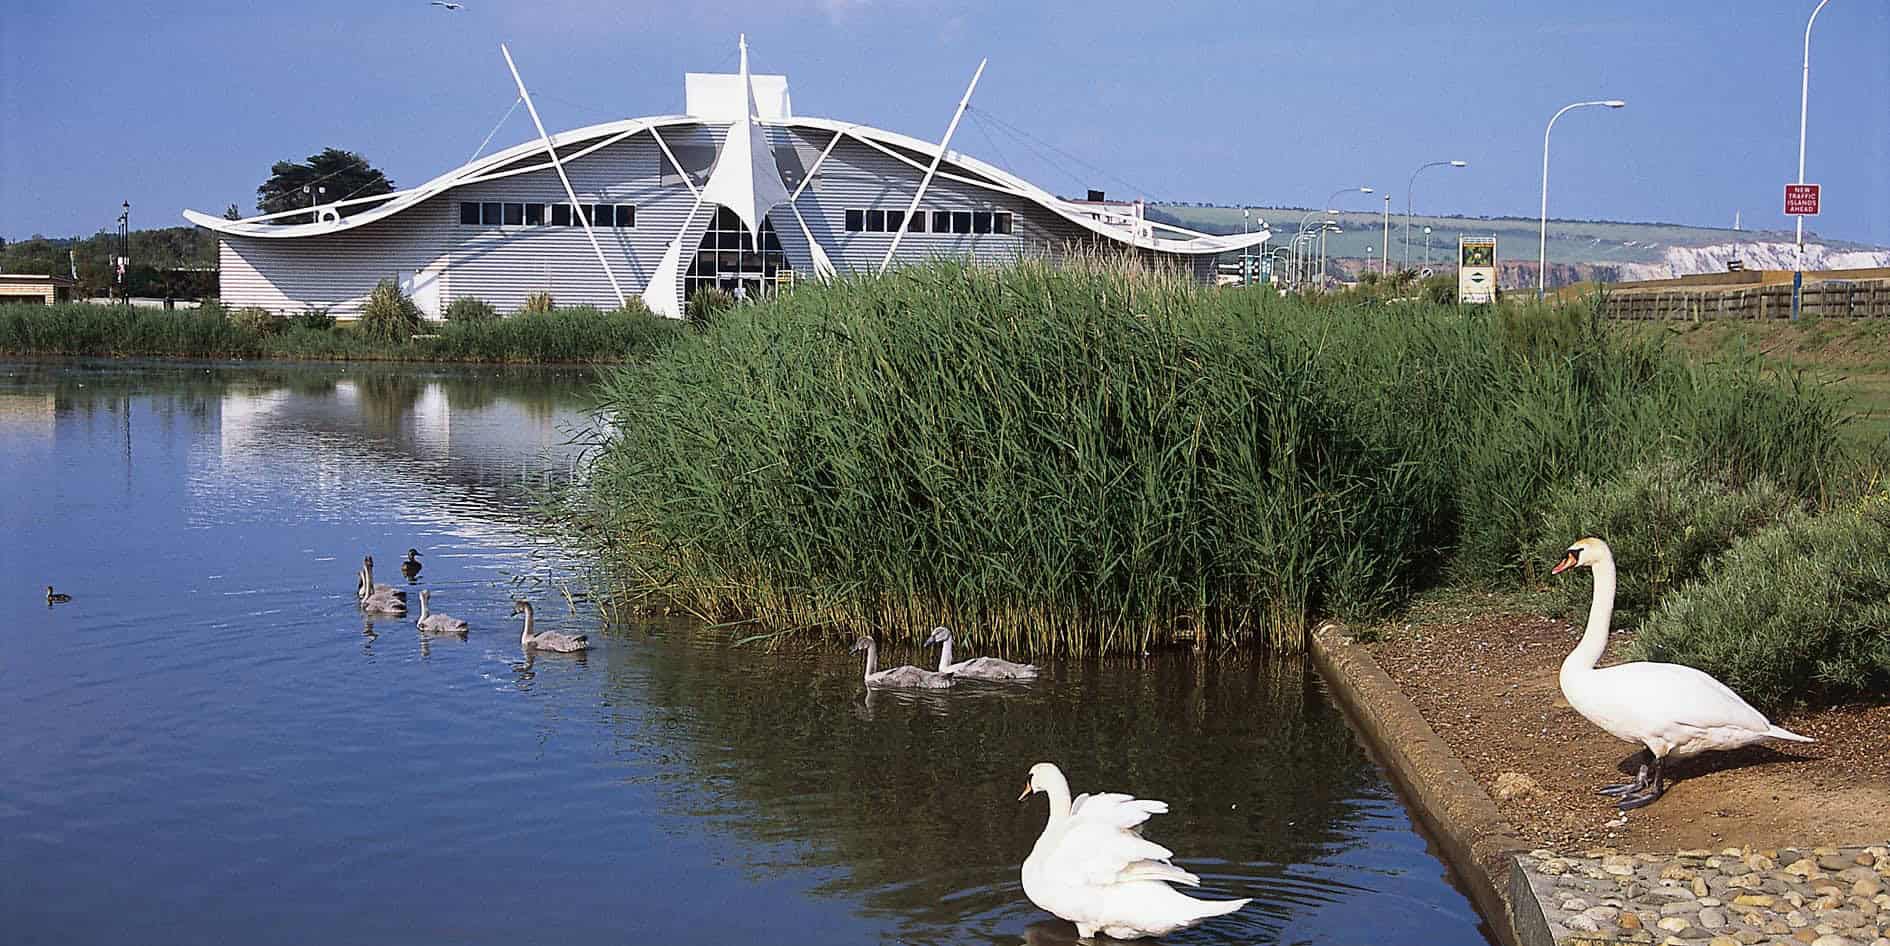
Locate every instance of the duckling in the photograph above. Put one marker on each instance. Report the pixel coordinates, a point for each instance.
(411, 567)
(365, 587)
(53, 597)
(549, 640)
(438, 623)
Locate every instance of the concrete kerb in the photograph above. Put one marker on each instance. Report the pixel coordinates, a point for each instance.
(1474, 837)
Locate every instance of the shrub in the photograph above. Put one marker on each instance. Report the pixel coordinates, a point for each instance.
(538, 302)
(470, 309)
(1663, 521)
(1797, 613)
(705, 304)
(316, 319)
(389, 316)
(251, 318)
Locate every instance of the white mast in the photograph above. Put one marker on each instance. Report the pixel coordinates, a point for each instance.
(577, 209)
(927, 180)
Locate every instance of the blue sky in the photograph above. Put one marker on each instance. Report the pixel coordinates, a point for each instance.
(186, 105)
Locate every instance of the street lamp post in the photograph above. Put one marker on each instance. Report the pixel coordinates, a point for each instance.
(1427, 247)
(1384, 254)
(1325, 227)
(1407, 204)
(123, 262)
(1804, 100)
(1542, 245)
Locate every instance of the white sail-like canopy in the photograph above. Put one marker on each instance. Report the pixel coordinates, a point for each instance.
(745, 178)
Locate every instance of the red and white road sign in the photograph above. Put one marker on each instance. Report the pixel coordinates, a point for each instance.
(1801, 200)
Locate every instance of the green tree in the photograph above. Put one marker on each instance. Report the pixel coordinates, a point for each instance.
(345, 174)
(231, 213)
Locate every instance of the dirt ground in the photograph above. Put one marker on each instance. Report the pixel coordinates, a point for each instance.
(1485, 679)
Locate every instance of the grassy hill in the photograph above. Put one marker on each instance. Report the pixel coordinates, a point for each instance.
(1595, 242)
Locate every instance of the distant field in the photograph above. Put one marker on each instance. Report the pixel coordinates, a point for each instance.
(1852, 355)
(1570, 241)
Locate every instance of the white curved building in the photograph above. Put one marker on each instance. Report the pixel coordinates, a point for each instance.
(738, 192)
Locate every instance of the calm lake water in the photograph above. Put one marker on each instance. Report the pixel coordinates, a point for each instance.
(210, 745)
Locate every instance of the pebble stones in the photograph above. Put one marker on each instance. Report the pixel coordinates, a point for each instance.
(1817, 896)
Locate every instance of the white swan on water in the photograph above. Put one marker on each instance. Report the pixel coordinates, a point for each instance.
(1673, 710)
(1092, 867)
(977, 668)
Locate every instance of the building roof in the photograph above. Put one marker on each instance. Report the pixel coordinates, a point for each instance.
(22, 279)
(721, 100)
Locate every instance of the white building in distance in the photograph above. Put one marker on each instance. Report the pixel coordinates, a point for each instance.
(738, 192)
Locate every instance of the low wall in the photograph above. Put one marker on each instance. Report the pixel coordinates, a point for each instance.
(1475, 839)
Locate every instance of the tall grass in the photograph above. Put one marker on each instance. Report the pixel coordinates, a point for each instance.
(1093, 458)
(562, 335)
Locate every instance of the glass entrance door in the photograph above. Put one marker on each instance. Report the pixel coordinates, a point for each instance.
(727, 259)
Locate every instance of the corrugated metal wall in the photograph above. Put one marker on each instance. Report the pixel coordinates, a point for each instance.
(504, 264)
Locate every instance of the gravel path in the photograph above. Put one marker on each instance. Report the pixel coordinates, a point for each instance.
(1826, 896)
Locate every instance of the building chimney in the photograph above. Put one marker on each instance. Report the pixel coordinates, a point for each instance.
(1095, 196)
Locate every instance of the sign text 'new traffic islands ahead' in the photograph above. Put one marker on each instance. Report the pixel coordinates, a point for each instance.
(1801, 200)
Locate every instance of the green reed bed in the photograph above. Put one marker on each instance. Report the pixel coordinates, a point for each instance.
(559, 336)
(1096, 459)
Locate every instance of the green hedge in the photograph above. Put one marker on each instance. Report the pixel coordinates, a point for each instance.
(1797, 613)
(1664, 522)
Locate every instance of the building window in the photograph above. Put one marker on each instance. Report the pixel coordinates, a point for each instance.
(895, 219)
(1003, 221)
(469, 213)
(856, 221)
(981, 221)
(560, 215)
(876, 221)
(917, 223)
(961, 221)
(626, 216)
(534, 215)
(941, 221)
(489, 213)
(514, 215)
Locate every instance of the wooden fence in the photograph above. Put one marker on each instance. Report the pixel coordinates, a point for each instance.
(1834, 298)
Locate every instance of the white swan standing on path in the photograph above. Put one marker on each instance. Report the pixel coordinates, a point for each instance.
(1092, 867)
(977, 668)
(1673, 710)
(549, 640)
(439, 623)
(907, 676)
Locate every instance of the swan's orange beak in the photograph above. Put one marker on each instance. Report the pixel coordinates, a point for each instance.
(1028, 789)
(1568, 562)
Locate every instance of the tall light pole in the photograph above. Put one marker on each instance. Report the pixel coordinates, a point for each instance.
(1542, 245)
(1384, 254)
(1407, 204)
(124, 253)
(1427, 247)
(1329, 226)
(1804, 100)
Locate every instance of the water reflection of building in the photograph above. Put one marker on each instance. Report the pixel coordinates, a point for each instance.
(399, 427)
(27, 414)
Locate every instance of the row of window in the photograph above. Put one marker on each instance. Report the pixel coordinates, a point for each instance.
(624, 216)
(494, 213)
(934, 221)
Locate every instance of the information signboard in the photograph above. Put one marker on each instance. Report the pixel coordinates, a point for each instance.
(1476, 269)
